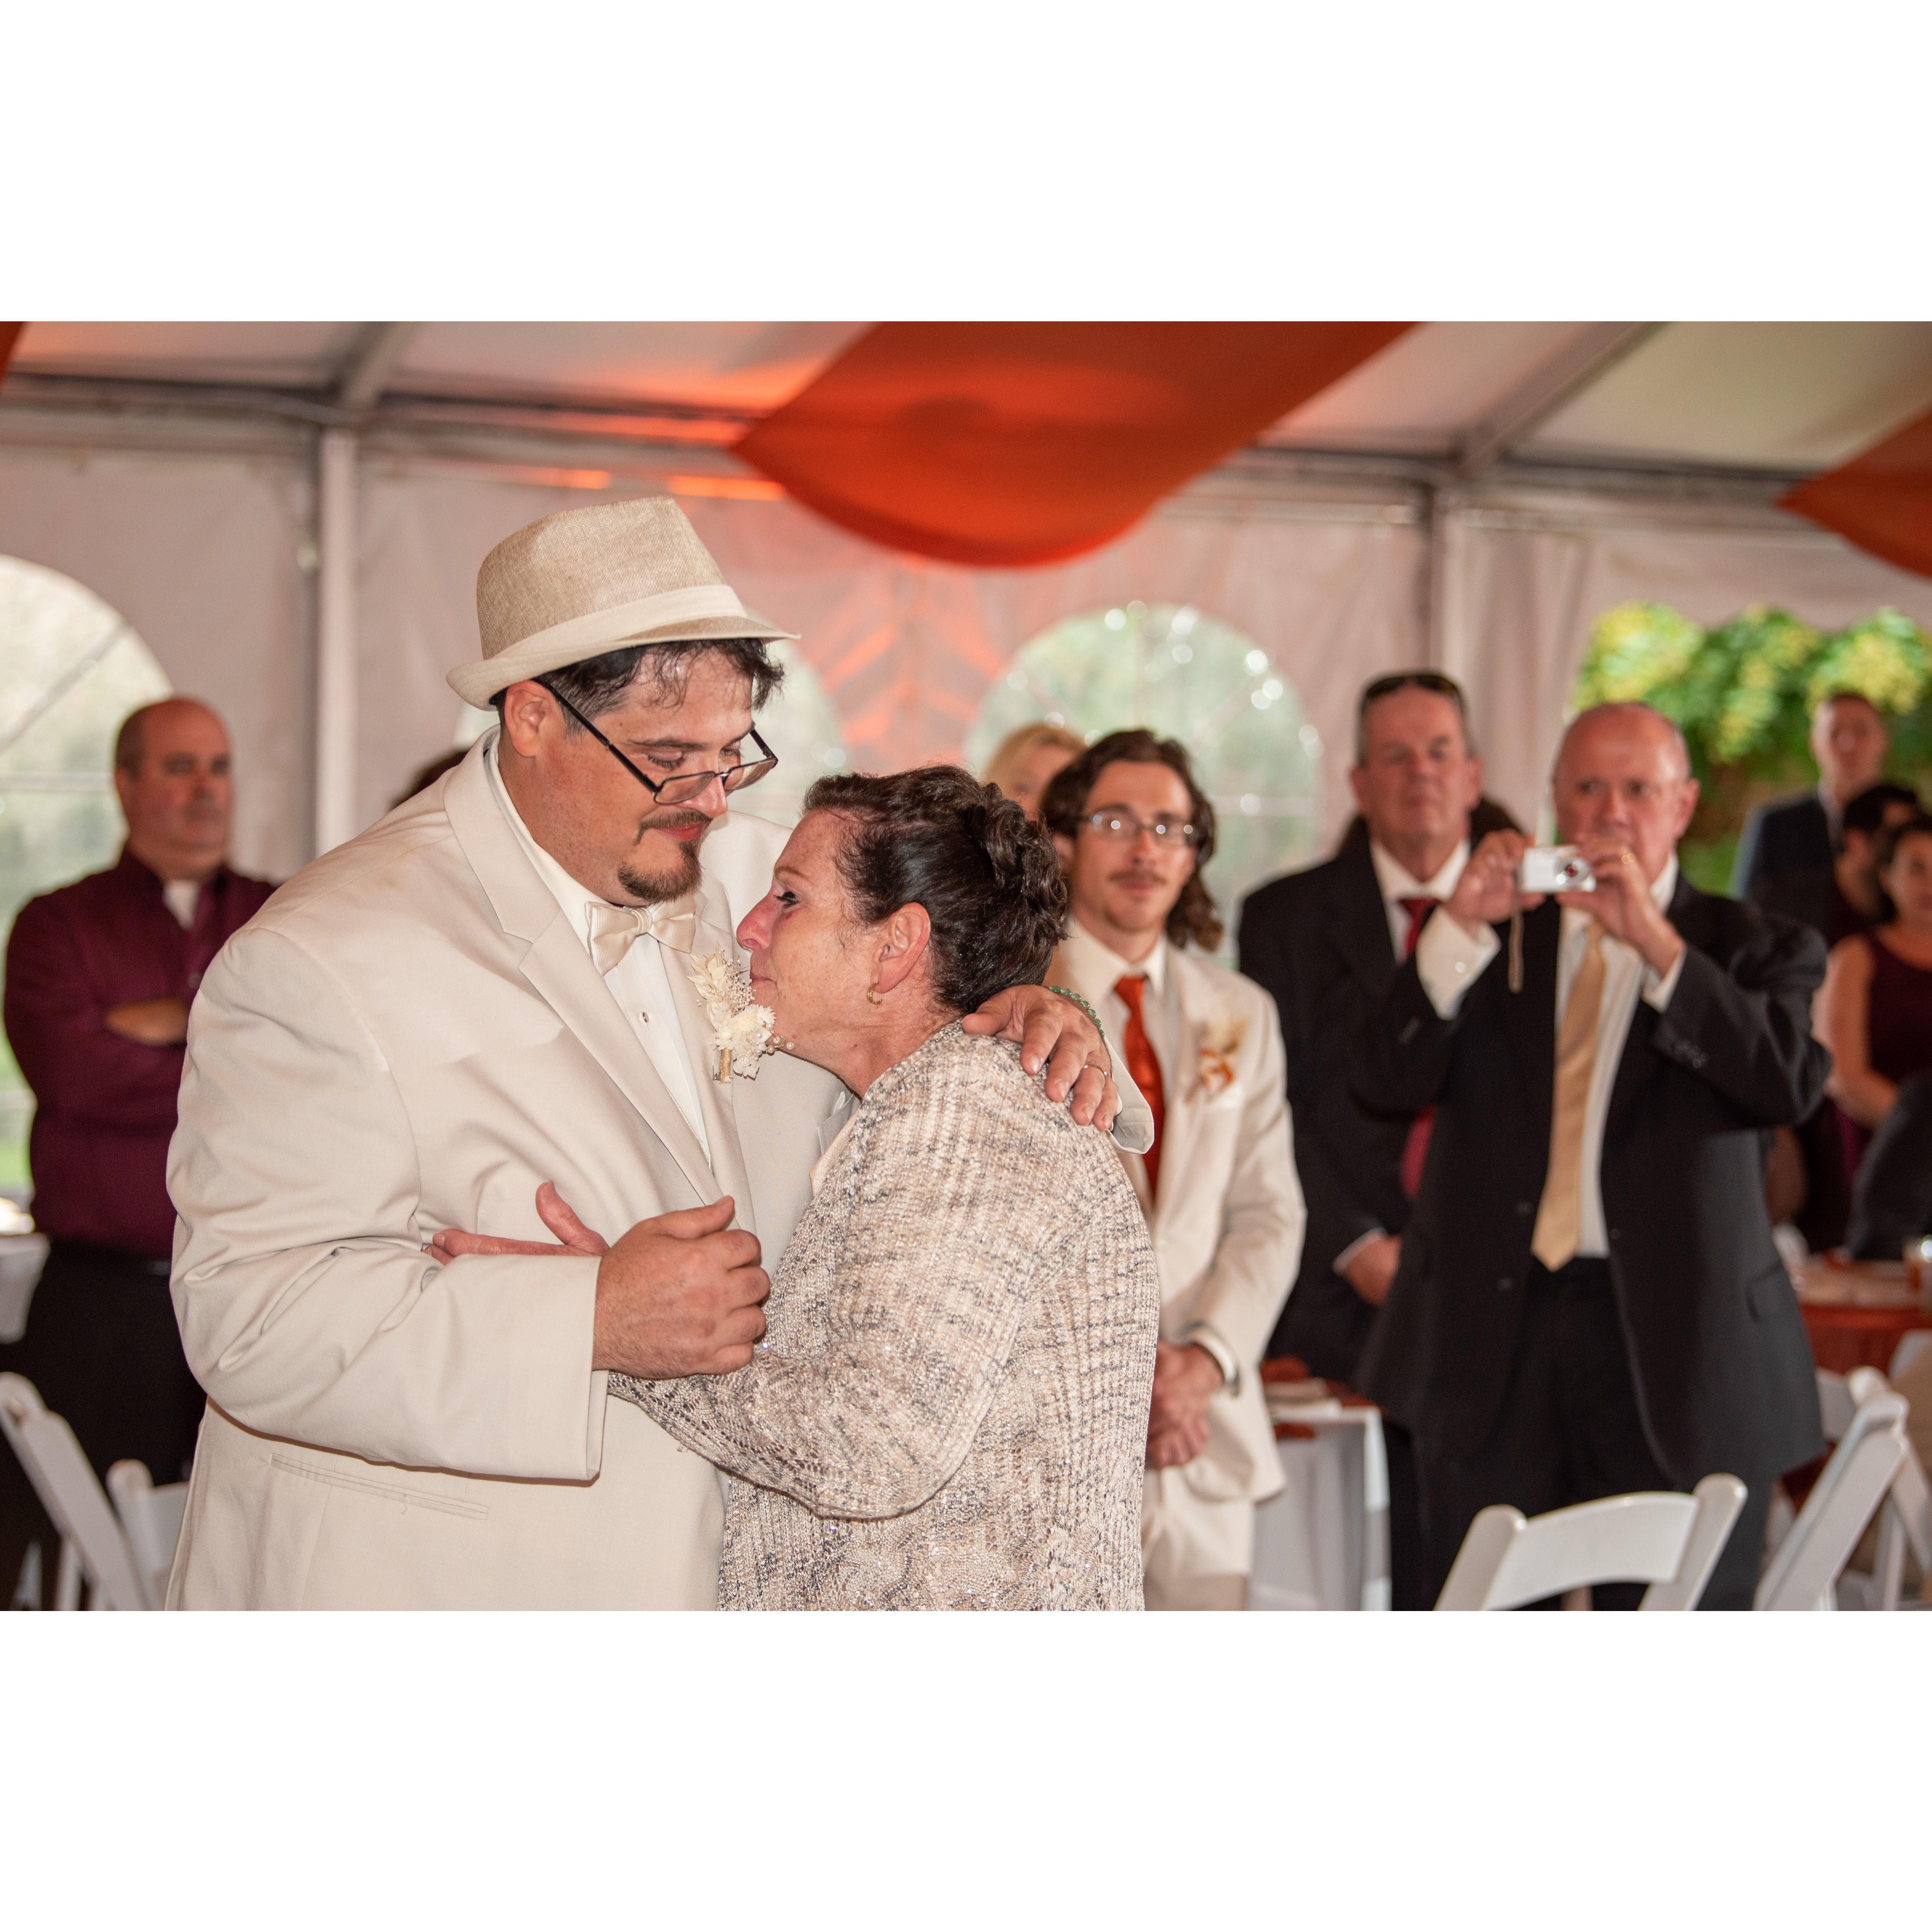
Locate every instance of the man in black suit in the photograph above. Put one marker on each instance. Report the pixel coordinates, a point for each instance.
(1844, 897)
(1589, 1301)
(1326, 943)
(1801, 835)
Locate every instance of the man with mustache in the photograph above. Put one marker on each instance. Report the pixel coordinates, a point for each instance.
(1218, 1186)
(100, 975)
(491, 990)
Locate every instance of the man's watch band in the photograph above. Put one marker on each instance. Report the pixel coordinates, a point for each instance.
(1200, 1336)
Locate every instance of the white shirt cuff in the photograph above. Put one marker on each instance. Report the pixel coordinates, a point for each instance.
(1449, 962)
(1340, 1263)
(1656, 992)
(1202, 1337)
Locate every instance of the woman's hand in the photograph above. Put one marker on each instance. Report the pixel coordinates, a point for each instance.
(1054, 1033)
(573, 1237)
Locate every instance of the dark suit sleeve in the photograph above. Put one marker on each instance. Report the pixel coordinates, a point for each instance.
(1337, 1216)
(1747, 1031)
(1401, 1056)
(1748, 865)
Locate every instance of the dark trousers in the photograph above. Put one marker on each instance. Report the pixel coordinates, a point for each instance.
(102, 1348)
(1412, 1583)
(1568, 1431)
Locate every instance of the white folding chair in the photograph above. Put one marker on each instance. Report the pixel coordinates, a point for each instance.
(1904, 1518)
(151, 1518)
(1871, 1445)
(1670, 1542)
(93, 1548)
(1911, 1345)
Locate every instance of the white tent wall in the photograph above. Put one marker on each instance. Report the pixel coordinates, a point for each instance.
(1525, 579)
(906, 648)
(208, 557)
(202, 555)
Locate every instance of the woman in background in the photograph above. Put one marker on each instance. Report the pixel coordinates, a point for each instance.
(1028, 761)
(1874, 1010)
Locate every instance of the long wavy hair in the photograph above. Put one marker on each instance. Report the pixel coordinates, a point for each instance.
(1193, 918)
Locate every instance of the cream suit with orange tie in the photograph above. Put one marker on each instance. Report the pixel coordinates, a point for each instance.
(1226, 1221)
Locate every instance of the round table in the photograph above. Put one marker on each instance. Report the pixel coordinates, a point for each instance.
(1857, 1312)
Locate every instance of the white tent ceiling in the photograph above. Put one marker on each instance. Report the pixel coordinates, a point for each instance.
(1783, 396)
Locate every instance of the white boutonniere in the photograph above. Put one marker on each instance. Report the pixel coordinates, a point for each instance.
(1220, 1040)
(740, 1032)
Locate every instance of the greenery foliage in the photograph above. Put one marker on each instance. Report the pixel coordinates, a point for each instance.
(1743, 693)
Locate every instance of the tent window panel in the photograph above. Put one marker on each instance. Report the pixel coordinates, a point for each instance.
(1176, 670)
(71, 668)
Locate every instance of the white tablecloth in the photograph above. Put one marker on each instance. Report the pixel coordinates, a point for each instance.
(1322, 1544)
(21, 1256)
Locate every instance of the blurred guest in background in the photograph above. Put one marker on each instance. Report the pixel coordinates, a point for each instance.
(1844, 897)
(1875, 1012)
(1026, 760)
(1892, 1202)
(1589, 1301)
(100, 977)
(426, 775)
(1326, 943)
(1811, 1185)
(1801, 835)
(1218, 1186)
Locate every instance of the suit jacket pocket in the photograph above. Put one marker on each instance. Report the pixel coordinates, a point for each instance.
(378, 1490)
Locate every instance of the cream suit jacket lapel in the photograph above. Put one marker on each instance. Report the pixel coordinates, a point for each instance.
(717, 1099)
(558, 966)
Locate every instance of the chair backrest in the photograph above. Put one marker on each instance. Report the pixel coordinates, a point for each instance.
(1911, 1345)
(1836, 1405)
(71, 1494)
(152, 1520)
(1671, 1542)
(1842, 1501)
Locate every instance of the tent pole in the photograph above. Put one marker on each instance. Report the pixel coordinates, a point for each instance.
(335, 817)
(1443, 504)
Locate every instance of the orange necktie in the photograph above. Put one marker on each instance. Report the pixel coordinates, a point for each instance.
(1145, 1069)
(1415, 1148)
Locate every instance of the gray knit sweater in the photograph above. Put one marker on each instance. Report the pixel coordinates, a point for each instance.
(950, 1410)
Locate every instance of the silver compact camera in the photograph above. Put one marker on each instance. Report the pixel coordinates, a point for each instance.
(1554, 868)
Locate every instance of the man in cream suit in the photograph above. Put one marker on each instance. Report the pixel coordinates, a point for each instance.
(1218, 1186)
(490, 990)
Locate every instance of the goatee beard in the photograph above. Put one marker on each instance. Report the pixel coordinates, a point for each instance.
(655, 888)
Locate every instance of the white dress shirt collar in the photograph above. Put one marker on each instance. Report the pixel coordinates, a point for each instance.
(640, 982)
(1096, 964)
(1398, 882)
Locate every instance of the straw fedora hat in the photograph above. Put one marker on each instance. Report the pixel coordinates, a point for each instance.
(582, 582)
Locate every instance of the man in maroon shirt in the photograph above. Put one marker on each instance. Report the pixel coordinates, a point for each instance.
(100, 975)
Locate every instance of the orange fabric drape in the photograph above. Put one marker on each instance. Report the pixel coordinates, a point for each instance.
(1006, 443)
(1881, 500)
(10, 336)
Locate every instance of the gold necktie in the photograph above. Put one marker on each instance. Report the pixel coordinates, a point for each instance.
(1559, 1219)
(613, 929)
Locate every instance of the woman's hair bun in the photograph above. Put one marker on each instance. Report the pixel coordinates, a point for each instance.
(988, 878)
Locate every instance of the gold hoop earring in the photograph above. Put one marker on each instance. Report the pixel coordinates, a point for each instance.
(872, 994)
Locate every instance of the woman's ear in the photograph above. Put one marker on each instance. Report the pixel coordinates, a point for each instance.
(903, 941)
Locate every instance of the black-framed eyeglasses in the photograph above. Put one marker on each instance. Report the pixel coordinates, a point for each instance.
(681, 788)
(1123, 827)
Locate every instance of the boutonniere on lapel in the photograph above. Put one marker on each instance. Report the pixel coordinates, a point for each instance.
(1221, 1040)
(740, 1032)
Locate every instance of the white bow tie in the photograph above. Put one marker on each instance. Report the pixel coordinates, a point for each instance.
(615, 929)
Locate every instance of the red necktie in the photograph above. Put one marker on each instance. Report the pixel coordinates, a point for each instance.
(1415, 1149)
(1145, 1068)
